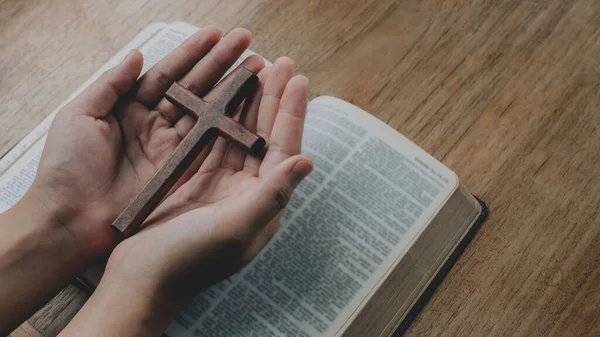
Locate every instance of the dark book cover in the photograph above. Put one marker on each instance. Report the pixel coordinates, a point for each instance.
(439, 277)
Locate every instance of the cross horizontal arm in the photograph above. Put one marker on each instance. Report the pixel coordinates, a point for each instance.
(239, 85)
(186, 100)
(239, 135)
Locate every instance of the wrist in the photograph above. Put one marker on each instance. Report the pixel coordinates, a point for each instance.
(37, 259)
(122, 274)
(84, 227)
(143, 313)
(35, 226)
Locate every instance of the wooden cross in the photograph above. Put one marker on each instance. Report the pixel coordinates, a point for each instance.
(214, 118)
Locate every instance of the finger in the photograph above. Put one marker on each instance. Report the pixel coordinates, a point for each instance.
(272, 92)
(98, 99)
(251, 117)
(215, 158)
(209, 70)
(235, 156)
(253, 63)
(271, 195)
(154, 83)
(286, 137)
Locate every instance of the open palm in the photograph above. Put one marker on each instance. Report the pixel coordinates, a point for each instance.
(106, 144)
(220, 218)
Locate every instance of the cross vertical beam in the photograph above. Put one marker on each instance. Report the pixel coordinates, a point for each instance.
(213, 118)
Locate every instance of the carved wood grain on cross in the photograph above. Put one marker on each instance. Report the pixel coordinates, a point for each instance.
(213, 119)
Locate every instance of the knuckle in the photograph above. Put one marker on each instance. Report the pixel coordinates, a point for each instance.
(112, 88)
(275, 97)
(215, 59)
(282, 196)
(275, 146)
(293, 113)
(183, 53)
(192, 86)
(161, 77)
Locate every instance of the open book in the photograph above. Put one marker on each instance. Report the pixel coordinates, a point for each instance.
(364, 237)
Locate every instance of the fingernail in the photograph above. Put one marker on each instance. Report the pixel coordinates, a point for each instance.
(300, 171)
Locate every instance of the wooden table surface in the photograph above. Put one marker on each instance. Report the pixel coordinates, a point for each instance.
(506, 93)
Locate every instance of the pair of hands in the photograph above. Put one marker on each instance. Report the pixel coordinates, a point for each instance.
(104, 146)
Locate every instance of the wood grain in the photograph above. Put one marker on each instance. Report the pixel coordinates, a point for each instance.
(505, 93)
(26, 330)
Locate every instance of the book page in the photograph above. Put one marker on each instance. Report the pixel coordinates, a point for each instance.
(348, 224)
(385, 179)
(19, 166)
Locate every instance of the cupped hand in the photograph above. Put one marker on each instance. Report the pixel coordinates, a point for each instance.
(109, 141)
(220, 218)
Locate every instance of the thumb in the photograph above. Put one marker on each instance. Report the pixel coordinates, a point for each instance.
(275, 191)
(98, 99)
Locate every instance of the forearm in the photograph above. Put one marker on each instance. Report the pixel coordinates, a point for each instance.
(117, 309)
(37, 258)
